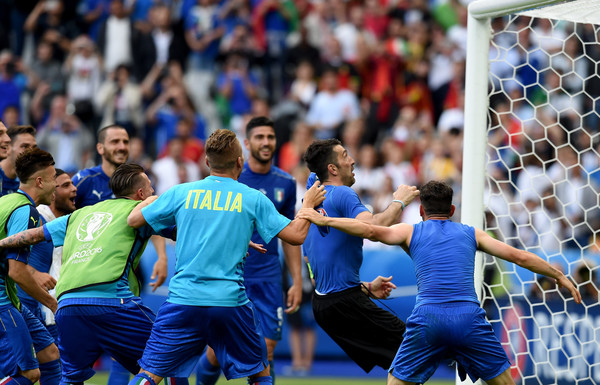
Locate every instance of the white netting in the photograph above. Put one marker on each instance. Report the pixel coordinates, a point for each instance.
(542, 194)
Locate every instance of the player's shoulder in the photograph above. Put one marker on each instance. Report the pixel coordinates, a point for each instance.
(87, 174)
(279, 173)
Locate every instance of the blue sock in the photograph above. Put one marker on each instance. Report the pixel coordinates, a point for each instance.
(15, 380)
(118, 374)
(206, 373)
(272, 368)
(50, 373)
(142, 379)
(260, 380)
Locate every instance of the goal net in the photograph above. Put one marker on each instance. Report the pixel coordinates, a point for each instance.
(532, 178)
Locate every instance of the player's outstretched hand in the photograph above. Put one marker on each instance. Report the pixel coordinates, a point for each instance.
(566, 283)
(159, 272)
(258, 247)
(381, 287)
(314, 196)
(406, 193)
(311, 215)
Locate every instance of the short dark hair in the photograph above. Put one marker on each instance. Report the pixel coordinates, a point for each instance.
(60, 171)
(126, 179)
(221, 151)
(31, 161)
(319, 155)
(14, 131)
(102, 131)
(436, 198)
(258, 121)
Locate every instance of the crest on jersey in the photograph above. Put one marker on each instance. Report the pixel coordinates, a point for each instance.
(323, 230)
(93, 225)
(279, 195)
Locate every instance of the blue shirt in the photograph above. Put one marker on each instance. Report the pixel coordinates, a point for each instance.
(215, 218)
(280, 188)
(334, 256)
(92, 187)
(23, 218)
(8, 185)
(444, 256)
(56, 231)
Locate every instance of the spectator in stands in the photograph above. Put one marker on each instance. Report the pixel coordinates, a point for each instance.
(83, 69)
(116, 37)
(237, 85)
(174, 169)
(331, 107)
(11, 116)
(65, 137)
(10, 95)
(120, 101)
(94, 13)
(203, 31)
(290, 153)
(45, 69)
(369, 175)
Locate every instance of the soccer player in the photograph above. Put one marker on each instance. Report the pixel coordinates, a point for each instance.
(99, 309)
(447, 311)
(20, 331)
(207, 302)
(21, 139)
(93, 187)
(341, 304)
(262, 272)
(44, 257)
(4, 144)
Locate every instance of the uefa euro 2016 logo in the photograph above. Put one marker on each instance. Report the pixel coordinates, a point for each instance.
(93, 225)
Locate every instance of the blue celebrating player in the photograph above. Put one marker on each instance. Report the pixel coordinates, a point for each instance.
(447, 320)
(262, 272)
(207, 302)
(21, 139)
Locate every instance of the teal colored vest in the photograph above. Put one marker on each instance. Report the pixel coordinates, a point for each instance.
(98, 246)
(8, 204)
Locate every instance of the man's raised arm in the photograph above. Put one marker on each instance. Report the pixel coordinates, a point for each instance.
(295, 232)
(135, 218)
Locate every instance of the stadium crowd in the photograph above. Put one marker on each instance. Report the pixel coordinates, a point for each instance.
(386, 77)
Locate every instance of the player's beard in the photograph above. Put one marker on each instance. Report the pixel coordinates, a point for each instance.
(111, 159)
(255, 153)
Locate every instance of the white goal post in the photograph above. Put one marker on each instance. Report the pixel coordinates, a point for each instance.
(549, 341)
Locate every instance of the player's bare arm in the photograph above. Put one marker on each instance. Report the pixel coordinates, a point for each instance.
(389, 216)
(19, 273)
(24, 238)
(524, 259)
(135, 218)
(293, 260)
(43, 279)
(295, 232)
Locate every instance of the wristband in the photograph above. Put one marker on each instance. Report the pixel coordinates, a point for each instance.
(402, 203)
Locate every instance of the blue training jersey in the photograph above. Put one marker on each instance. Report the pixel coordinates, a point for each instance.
(215, 219)
(92, 187)
(23, 218)
(280, 188)
(8, 185)
(444, 256)
(334, 256)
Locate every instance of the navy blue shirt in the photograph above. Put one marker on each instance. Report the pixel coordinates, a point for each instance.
(8, 185)
(280, 188)
(92, 187)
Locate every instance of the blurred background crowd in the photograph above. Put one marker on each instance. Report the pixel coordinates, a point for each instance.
(384, 76)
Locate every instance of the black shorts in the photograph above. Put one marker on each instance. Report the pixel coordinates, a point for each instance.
(368, 334)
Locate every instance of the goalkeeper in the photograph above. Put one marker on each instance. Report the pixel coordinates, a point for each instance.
(447, 318)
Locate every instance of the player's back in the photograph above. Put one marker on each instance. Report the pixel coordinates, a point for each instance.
(444, 256)
(92, 186)
(215, 219)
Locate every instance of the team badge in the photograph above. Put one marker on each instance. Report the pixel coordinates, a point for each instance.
(323, 230)
(93, 225)
(279, 195)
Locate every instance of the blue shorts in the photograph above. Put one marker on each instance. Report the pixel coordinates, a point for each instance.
(37, 312)
(21, 336)
(87, 331)
(181, 332)
(267, 298)
(456, 330)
